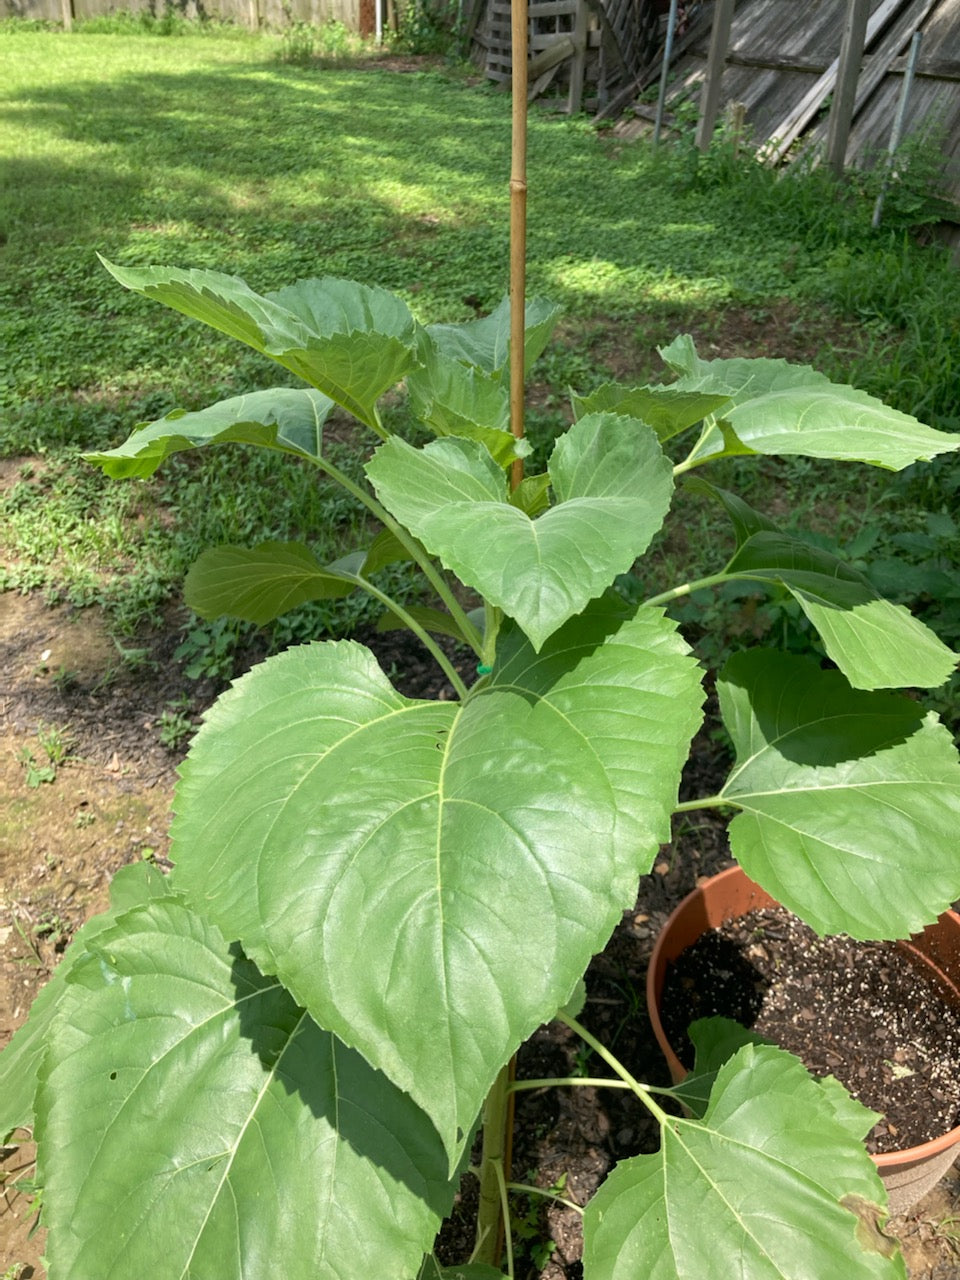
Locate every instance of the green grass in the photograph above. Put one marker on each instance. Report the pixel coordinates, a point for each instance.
(216, 149)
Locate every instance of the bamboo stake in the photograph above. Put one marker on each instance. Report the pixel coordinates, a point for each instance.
(518, 223)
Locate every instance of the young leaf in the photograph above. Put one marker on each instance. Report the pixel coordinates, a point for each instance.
(455, 399)
(876, 644)
(667, 409)
(350, 341)
(418, 816)
(283, 418)
(21, 1058)
(485, 343)
(613, 487)
(715, 1040)
(850, 801)
(260, 583)
(767, 1185)
(223, 1129)
(782, 408)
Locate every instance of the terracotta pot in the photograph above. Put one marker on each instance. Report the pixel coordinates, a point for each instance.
(909, 1174)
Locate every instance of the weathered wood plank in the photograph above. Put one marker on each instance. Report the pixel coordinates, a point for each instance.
(710, 99)
(790, 128)
(848, 72)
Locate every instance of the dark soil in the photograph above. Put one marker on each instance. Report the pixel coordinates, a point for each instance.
(864, 1012)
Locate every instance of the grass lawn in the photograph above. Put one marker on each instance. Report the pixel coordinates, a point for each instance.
(204, 150)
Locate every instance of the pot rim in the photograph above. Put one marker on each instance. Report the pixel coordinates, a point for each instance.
(884, 1160)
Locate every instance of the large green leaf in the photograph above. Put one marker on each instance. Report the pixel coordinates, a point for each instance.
(613, 487)
(772, 1184)
(21, 1058)
(850, 801)
(430, 879)
(282, 418)
(350, 341)
(193, 1122)
(667, 409)
(485, 343)
(783, 408)
(876, 644)
(260, 583)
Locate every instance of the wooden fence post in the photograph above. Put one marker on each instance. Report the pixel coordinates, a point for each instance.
(710, 97)
(848, 72)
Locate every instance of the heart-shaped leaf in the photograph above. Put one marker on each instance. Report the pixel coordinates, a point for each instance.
(613, 487)
(186, 1096)
(850, 801)
(260, 583)
(458, 831)
(773, 1183)
(282, 418)
(876, 644)
(782, 408)
(350, 341)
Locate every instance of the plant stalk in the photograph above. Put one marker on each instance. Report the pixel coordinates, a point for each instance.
(518, 224)
(489, 1212)
(416, 552)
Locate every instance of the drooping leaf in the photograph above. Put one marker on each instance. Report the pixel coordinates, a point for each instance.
(461, 830)
(282, 418)
(612, 486)
(192, 1121)
(260, 583)
(386, 548)
(876, 644)
(350, 341)
(485, 343)
(744, 519)
(758, 1188)
(781, 408)
(849, 801)
(455, 399)
(667, 409)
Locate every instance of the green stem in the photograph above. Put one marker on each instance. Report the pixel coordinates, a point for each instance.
(490, 1208)
(703, 802)
(700, 584)
(598, 1082)
(416, 552)
(492, 617)
(449, 670)
(542, 1191)
(505, 1215)
(641, 1090)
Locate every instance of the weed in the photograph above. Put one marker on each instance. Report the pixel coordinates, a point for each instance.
(56, 743)
(176, 724)
(37, 774)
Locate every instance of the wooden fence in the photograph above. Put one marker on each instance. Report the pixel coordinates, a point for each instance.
(356, 15)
